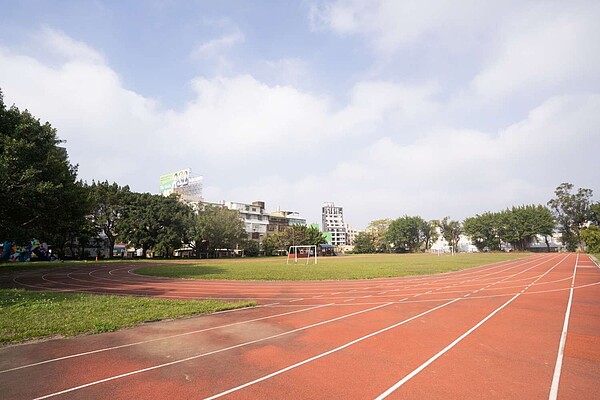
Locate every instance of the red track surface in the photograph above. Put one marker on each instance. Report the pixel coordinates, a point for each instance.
(524, 329)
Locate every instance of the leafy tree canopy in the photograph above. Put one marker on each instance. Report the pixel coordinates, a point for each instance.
(40, 196)
(572, 211)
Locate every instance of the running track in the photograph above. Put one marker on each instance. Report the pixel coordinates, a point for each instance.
(521, 329)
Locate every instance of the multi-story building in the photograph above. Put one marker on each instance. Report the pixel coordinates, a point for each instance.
(254, 217)
(333, 222)
(351, 234)
(279, 220)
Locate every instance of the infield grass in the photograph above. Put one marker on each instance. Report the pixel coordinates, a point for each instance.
(342, 267)
(32, 315)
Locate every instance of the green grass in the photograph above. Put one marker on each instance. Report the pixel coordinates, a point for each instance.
(342, 267)
(32, 315)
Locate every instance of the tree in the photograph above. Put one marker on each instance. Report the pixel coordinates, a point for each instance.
(595, 213)
(451, 231)
(301, 235)
(521, 225)
(272, 243)
(430, 233)
(155, 222)
(108, 202)
(173, 217)
(407, 233)
(40, 196)
(379, 228)
(591, 236)
(218, 228)
(484, 231)
(364, 243)
(572, 211)
(251, 248)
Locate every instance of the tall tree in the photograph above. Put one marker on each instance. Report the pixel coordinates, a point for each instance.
(155, 222)
(108, 202)
(451, 231)
(218, 228)
(521, 225)
(484, 231)
(364, 243)
(430, 233)
(301, 235)
(595, 213)
(572, 211)
(407, 233)
(272, 243)
(591, 236)
(379, 228)
(40, 196)
(174, 217)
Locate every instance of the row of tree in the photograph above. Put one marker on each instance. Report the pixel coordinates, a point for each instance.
(406, 234)
(517, 226)
(574, 215)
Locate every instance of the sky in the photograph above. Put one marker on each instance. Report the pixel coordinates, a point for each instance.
(385, 107)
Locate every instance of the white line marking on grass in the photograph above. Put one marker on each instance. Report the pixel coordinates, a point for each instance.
(563, 340)
(360, 339)
(139, 371)
(457, 340)
(167, 337)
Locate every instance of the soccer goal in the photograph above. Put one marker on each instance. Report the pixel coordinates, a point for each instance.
(302, 252)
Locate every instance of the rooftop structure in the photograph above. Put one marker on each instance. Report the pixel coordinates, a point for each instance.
(184, 183)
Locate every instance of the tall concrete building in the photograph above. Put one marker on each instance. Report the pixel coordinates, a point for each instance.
(333, 222)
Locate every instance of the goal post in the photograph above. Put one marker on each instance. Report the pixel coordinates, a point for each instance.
(302, 252)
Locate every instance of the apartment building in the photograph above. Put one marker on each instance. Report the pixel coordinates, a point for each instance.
(332, 221)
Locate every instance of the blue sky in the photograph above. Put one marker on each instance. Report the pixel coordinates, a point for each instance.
(385, 107)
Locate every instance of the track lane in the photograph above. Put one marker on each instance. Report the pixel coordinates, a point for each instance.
(202, 375)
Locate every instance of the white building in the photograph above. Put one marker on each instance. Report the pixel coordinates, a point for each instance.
(254, 217)
(351, 234)
(333, 222)
(464, 245)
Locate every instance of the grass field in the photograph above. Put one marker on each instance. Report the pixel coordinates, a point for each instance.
(342, 267)
(32, 315)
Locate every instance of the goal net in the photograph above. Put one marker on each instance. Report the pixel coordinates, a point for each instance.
(304, 252)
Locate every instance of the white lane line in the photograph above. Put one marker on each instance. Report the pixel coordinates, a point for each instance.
(139, 371)
(563, 340)
(365, 337)
(360, 339)
(163, 338)
(457, 340)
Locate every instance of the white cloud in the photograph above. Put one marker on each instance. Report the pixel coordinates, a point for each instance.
(545, 48)
(60, 44)
(255, 141)
(217, 46)
(215, 53)
(390, 25)
(85, 100)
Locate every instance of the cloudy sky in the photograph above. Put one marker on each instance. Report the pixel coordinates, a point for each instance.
(386, 107)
